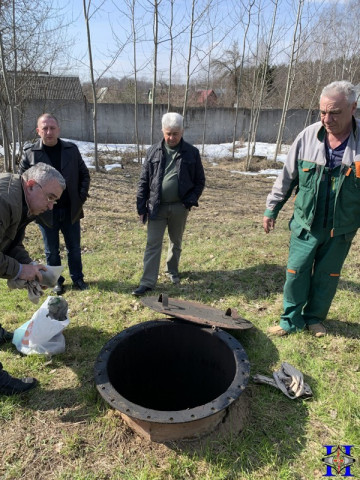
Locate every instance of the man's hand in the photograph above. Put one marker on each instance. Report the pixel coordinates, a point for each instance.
(143, 218)
(268, 224)
(32, 272)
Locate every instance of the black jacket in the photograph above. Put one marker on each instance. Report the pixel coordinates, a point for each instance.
(73, 169)
(190, 172)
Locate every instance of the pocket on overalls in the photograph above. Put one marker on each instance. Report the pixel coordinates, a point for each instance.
(293, 291)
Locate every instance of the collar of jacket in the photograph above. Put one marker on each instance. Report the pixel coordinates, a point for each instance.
(355, 130)
(182, 144)
(38, 145)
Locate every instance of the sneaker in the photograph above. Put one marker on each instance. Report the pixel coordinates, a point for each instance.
(277, 331)
(10, 385)
(80, 285)
(317, 329)
(5, 336)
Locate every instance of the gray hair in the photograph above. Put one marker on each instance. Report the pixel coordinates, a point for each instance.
(172, 120)
(341, 87)
(43, 173)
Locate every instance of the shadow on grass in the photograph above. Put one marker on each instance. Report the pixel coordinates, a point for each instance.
(258, 281)
(80, 401)
(275, 429)
(342, 328)
(349, 285)
(254, 282)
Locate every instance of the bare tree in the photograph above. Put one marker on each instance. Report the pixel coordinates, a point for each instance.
(10, 101)
(259, 97)
(192, 20)
(133, 30)
(195, 21)
(171, 51)
(239, 75)
(228, 65)
(155, 6)
(87, 16)
(24, 29)
(291, 75)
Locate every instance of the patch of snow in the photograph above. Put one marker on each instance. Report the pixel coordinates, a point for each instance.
(113, 165)
(212, 153)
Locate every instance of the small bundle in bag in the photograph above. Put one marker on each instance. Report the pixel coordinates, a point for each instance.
(43, 333)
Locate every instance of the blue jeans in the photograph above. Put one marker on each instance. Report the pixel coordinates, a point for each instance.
(71, 233)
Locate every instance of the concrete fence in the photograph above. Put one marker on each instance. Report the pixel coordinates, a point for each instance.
(116, 122)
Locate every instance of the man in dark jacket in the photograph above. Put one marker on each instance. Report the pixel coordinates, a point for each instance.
(21, 199)
(171, 182)
(66, 215)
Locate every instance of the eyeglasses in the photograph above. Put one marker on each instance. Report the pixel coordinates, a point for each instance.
(49, 196)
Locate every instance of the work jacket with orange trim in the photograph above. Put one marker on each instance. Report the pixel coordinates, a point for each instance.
(303, 171)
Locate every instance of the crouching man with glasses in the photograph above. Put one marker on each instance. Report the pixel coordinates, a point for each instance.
(22, 198)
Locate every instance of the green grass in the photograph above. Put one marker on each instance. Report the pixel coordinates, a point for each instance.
(64, 430)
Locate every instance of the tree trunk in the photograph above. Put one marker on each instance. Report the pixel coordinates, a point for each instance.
(239, 79)
(133, 28)
(10, 100)
(290, 78)
(4, 135)
(93, 84)
(260, 97)
(189, 59)
(153, 96)
(171, 52)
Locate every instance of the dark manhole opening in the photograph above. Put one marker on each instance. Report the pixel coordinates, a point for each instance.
(171, 367)
(167, 372)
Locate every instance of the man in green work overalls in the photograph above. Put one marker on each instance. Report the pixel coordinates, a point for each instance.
(323, 166)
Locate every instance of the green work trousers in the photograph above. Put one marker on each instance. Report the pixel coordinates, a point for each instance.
(313, 272)
(173, 216)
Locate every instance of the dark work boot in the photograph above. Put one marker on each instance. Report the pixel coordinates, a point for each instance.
(10, 385)
(80, 285)
(5, 336)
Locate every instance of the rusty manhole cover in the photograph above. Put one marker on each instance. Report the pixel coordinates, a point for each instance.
(197, 312)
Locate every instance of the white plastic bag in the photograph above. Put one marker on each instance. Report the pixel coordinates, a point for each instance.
(51, 275)
(43, 333)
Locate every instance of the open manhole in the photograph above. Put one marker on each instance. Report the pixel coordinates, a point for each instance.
(172, 379)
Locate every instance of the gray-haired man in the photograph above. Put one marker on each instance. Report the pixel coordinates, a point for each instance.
(323, 166)
(22, 198)
(171, 182)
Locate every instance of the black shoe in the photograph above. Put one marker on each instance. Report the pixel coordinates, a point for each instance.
(10, 385)
(174, 278)
(141, 290)
(80, 285)
(5, 336)
(59, 289)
